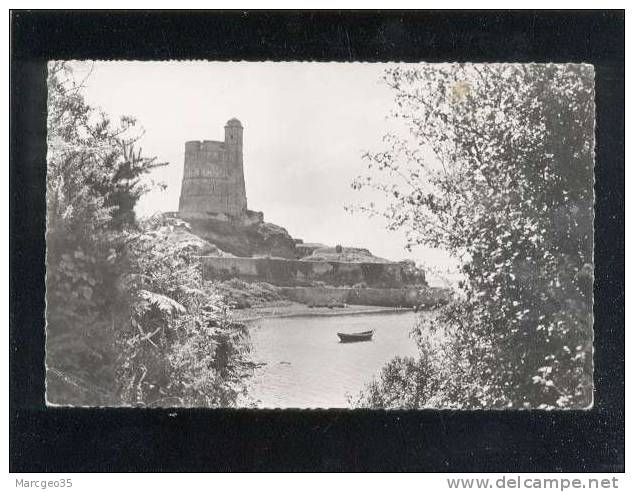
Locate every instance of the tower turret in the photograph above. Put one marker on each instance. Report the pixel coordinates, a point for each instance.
(213, 176)
(233, 148)
(233, 133)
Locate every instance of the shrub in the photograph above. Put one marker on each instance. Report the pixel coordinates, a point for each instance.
(129, 320)
(509, 194)
(182, 347)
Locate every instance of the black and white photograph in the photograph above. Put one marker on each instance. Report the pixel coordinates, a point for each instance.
(320, 235)
(316, 241)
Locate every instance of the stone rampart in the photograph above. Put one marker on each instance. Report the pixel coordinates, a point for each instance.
(317, 295)
(284, 272)
(405, 297)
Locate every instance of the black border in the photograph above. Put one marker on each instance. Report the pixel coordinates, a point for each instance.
(82, 440)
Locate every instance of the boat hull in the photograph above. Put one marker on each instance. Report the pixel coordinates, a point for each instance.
(365, 336)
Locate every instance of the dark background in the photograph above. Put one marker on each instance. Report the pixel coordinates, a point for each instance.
(82, 440)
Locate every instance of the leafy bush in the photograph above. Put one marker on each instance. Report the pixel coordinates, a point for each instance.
(93, 182)
(181, 347)
(242, 294)
(129, 319)
(497, 170)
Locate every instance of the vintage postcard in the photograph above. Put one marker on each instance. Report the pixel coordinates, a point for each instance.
(320, 235)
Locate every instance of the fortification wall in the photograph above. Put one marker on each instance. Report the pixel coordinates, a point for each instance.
(284, 272)
(317, 295)
(405, 297)
(237, 267)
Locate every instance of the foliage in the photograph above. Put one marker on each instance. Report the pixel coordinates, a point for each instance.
(129, 320)
(92, 185)
(181, 347)
(240, 294)
(497, 169)
(412, 274)
(94, 166)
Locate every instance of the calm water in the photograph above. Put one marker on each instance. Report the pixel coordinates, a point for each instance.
(306, 366)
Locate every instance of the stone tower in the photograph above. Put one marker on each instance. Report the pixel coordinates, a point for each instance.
(213, 176)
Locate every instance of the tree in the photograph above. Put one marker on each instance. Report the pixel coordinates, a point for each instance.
(90, 157)
(181, 346)
(129, 319)
(93, 182)
(496, 168)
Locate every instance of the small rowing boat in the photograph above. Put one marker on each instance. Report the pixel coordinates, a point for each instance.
(362, 336)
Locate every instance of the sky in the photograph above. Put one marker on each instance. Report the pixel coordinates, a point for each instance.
(306, 127)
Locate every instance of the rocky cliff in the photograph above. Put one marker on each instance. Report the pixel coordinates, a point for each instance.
(250, 239)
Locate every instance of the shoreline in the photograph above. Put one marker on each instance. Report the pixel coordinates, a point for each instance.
(297, 310)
